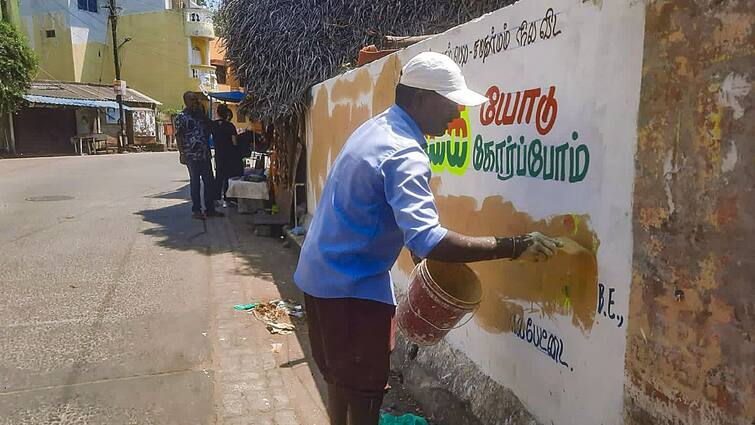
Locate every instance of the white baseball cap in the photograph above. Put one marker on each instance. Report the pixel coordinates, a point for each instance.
(439, 73)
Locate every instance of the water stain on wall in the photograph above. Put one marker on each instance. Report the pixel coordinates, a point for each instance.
(566, 285)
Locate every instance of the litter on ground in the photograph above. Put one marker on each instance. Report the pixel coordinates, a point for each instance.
(243, 307)
(275, 314)
(408, 419)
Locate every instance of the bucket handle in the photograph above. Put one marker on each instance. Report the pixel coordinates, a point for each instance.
(411, 307)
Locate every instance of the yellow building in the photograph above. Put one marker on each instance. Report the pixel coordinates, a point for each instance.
(164, 45)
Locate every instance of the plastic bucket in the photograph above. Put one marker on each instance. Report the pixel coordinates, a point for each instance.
(439, 295)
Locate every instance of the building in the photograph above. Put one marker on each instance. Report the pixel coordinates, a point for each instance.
(228, 90)
(66, 118)
(164, 45)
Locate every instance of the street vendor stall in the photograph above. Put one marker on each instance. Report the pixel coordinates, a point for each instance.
(251, 192)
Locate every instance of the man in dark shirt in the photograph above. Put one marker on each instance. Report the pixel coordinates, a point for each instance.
(192, 135)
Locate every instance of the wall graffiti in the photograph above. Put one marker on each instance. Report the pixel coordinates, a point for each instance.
(510, 158)
(532, 159)
(606, 303)
(552, 150)
(525, 34)
(543, 29)
(496, 111)
(546, 342)
(451, 152)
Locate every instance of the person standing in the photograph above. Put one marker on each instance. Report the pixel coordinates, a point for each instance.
(226, 156)
(376, 200)
(192, 137)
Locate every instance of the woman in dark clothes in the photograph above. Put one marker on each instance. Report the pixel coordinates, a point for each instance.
(224, 136)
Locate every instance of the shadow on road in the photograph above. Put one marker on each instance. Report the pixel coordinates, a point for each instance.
(268, 259)
(173, 226)
(263, 258)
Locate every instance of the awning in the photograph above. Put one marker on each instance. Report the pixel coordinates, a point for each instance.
(228, 96)
(84, 103)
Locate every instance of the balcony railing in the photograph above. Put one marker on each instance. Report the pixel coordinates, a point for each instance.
(208, 81)
(198, 23)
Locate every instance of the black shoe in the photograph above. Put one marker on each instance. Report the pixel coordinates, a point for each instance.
(198, 215)
(214, 214)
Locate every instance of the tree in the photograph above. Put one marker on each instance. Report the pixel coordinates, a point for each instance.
(18, 66)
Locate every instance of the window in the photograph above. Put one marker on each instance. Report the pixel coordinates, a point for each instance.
(50, 33)
(196, 56)
(88, 5)
(220, 74)
(194, 17)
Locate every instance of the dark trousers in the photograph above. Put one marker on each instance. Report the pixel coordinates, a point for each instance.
(201, 170)
(351, 341)
(222, 183)
(224, 170)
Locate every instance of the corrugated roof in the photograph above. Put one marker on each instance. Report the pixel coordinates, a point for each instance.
(87, 91)
(84, 103)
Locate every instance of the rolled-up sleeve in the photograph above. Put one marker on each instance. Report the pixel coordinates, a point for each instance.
(406, 179)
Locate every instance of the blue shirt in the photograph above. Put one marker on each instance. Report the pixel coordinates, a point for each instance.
(376, 200)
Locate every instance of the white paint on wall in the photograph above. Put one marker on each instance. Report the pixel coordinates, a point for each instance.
(733, 89)
(79, 35)
(594, 63)
(730, 160)
(668, 175)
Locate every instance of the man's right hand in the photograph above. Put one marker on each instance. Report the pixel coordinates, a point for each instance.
(182, 158)
(540, 247)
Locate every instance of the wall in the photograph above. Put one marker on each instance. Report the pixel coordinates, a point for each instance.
(579, 66)
(690, 351)
(55, 54)
(156, 60)
(76, 53)
(649, 313)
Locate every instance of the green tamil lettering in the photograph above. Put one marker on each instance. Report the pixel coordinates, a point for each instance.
(548, 171)
(578, 169)
(456, 153)
(489, 157)
(436, 152)
(535, 160)
(521, 158)
(561, 161)
(479, 155)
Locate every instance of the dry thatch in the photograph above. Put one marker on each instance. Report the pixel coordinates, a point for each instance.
(280, 48)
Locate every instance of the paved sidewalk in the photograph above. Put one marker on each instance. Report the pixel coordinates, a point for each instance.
(254, 384)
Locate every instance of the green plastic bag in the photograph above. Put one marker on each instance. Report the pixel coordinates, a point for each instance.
(408, 419)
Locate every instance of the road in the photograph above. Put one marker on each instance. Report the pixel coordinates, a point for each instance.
(107, 309)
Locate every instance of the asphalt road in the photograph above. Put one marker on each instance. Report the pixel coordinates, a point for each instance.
(103, 293)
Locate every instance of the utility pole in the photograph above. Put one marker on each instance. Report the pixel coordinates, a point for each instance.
(119, 97)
